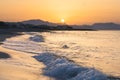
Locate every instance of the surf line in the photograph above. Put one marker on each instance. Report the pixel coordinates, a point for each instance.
(60, 68)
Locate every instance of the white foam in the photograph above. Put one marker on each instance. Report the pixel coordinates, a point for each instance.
(63, 69)
(25, 46)
(37, 38)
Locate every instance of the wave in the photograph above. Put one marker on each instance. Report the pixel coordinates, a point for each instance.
(61, 68)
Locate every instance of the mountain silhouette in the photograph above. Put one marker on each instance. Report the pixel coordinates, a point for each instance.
(38, 22)
(99, 26)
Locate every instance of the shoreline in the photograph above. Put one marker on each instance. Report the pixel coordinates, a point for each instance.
(29, 55)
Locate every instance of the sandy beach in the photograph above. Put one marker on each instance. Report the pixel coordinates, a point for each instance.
(21, 66)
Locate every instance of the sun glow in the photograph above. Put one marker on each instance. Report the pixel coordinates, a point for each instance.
(62, 21)
(61, 11)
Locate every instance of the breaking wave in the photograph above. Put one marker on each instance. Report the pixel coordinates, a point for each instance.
(61, 68)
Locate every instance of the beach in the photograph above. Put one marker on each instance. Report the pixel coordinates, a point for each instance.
(97, 50)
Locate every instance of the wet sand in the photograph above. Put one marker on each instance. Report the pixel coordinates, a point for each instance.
(15, 65)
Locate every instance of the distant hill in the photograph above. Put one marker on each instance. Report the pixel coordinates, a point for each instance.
(39, 22)
(34, 24)
(98, 26)
(106, 26)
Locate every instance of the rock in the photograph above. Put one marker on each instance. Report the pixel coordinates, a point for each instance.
(4, 55)
(65, 46)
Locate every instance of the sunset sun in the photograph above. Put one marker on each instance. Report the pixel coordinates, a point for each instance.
(62, 21)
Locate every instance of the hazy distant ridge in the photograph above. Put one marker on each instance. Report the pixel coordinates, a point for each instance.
(95, 26)
(99, 26)
(38, 22)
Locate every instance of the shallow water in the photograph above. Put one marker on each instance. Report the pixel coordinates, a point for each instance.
(93, 49)
(98, 49)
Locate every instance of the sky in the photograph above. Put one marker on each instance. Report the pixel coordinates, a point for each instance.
(72, 11)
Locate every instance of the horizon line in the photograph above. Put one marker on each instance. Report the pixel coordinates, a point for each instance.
(59, 22)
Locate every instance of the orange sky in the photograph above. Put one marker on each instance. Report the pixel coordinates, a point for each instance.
(73, 11)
